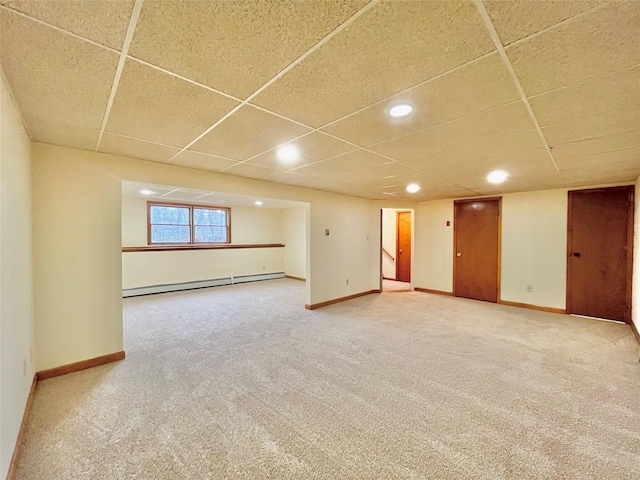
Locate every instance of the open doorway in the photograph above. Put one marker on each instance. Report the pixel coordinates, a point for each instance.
(396, 249)
(176, 238)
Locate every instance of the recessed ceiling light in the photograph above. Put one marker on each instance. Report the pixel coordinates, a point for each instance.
(258, 202)
(497, 176)
(400, 110)
(413, 188)
(146, 192)
(288, 153)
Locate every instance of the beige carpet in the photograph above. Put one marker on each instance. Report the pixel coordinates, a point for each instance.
(395, 286)
(243, 382)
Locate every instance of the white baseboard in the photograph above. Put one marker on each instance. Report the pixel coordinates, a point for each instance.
(176, 287)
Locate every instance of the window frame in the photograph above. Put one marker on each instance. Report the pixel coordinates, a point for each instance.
(191, 207)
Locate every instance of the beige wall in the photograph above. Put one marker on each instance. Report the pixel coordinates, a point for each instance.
(78, 269)
(534, 244)
(294, 234)
(16, 280)
(534, 248)
(144, 269)
(249, 225)
(433, 258)
(77, 258)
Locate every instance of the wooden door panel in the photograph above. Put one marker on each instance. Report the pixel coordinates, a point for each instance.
(476, 249)
(403, 242)
(597, 265)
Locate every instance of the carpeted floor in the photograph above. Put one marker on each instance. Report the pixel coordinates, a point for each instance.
(243, 382)
(395, 286)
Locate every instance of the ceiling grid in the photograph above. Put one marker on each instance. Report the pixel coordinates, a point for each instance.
(545, 91)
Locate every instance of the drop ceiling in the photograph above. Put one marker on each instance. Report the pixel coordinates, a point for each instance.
(547, 91)
(167, 193)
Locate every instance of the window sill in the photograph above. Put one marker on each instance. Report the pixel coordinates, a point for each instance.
(169, 248)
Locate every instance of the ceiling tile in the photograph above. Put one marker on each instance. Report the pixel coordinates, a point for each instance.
(498, 146)
(130, 147)
(248, 132)
(61, 134)
(250, 171)
(202, 161)
(295, 179)
(601, 162)
(183, 195)
(392, 47)
(158, 107)
(524, 170)
(55, 77)
(103, 22)
(357, 161)
(500, 121)
(313, 147)
(381, 175)
(480, 168)
(477, 86)
(599, 42)
(515, 20)
(234, 47)
(592, 146)
(601, 174)
(600, 125)
(591, 97)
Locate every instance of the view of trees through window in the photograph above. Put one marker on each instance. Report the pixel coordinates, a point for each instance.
(188, 224)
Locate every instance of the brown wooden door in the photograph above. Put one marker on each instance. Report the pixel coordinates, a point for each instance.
(477, 241)
(600, 240)
(403, 246)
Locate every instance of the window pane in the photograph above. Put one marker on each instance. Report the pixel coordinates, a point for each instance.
(208, 216)
(211, 234)
(169, 234)
(169, 215)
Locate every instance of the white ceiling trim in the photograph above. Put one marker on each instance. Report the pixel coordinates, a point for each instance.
(559, 24)
(186, 79)
(135, 15)
(58, 29)
(507, 63)
(280, 74)
(584, 80)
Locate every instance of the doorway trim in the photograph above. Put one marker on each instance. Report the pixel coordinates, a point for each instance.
(630, 215)
(455, 240)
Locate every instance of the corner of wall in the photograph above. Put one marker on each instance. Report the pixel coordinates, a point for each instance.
(635, 280)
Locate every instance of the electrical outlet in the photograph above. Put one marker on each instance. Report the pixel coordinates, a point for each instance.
(529, 288)
(24, 367)
(347, 282)
(264, 267)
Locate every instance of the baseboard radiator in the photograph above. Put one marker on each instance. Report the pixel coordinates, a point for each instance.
(217, 282)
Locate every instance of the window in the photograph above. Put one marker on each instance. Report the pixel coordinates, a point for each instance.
(170, 223)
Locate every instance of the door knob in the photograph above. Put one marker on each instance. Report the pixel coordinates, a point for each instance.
(576, 254)
(399, 251)
(458, 254)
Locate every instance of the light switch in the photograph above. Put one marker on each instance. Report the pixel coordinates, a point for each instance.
(326, 232)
